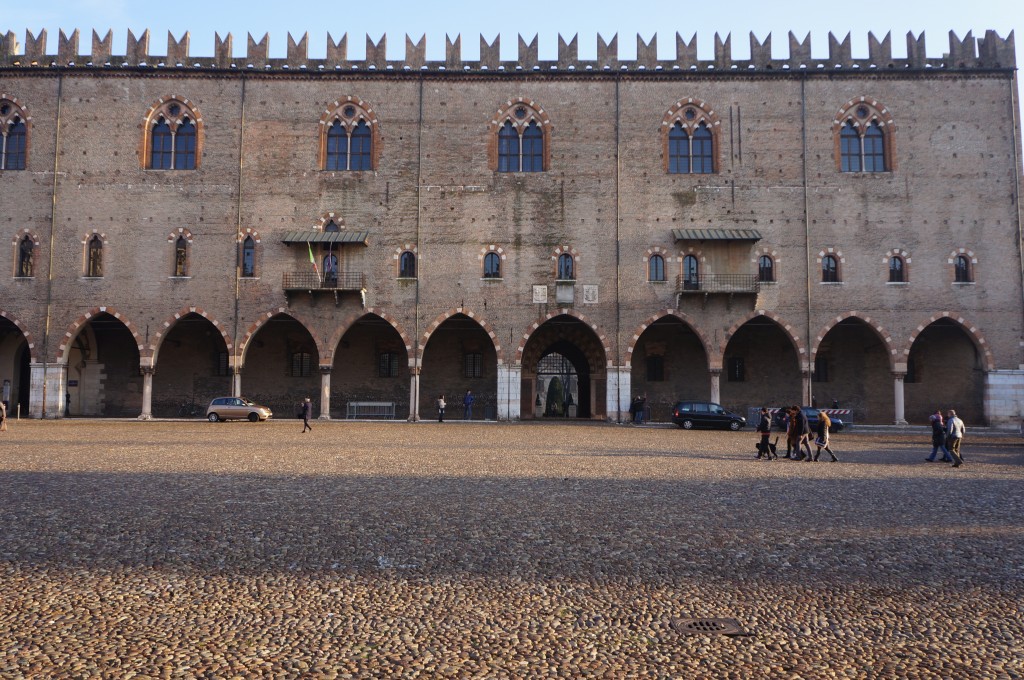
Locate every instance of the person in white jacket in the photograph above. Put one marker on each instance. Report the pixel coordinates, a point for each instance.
(955, 431)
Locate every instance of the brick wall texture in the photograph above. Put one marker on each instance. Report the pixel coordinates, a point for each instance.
(605, 195)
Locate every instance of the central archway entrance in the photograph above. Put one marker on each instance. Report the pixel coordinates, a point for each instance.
(564, 371)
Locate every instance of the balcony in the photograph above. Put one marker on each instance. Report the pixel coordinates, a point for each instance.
(718, 283)
(310, 281)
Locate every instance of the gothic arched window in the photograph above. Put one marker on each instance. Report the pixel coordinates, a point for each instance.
(13, 136)
(521, 138)
(173, 136)
(349, 137)
(249, 257)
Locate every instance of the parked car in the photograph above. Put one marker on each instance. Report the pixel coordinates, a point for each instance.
(691, 414)
(227, 408)
(812, 418)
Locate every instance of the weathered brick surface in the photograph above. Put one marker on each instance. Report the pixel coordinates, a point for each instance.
(605, 195)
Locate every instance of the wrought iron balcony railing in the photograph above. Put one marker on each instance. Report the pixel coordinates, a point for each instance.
(718, 283)
(310, 281)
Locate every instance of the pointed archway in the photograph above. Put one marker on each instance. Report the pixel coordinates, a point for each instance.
(15, 360)
(945, 369)
(853, 369)
(459, 356)
(668, 363)
(760, 366)
(371, 364)
(281, 366)
(579, 363)
(191, 367)
(103, 378)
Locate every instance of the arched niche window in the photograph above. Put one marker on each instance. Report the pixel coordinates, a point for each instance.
(181, 256)
(521, 138)
(962, 271)
(26, 257)
(407, 265)
(691, 273)
(173, 136)
(690, 142)
(829, 269)
(94, 256)
(865, 142)
(656, 268)
(249, 257)
(897, 270)
(765, 269)
(566, 270)
(13, 136)
(492, 266)
(349, 138)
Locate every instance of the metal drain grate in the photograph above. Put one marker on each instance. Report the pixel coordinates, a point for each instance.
(708, 627)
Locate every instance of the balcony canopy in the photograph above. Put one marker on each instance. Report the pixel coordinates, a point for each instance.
(716, 234)
(317, 236)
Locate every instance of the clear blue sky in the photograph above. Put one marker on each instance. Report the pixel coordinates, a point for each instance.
(545, 20)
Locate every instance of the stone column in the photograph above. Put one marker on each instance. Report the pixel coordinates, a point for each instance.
(805, 387)
(46, 395)
(509, 392)
(619, 393)
(325, 393)
(236, 382)
(897, 389)
(414, 394)
(716, 385)
(147, 392)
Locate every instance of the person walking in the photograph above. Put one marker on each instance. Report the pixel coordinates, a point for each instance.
(792, 433)
(955, 430)
(803, 431)
(440, 408)
(307, 411)
(764, 428)
(938, 437)
(467, 405)
(824, 422)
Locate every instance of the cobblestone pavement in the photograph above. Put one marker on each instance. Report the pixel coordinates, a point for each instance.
(191, 549)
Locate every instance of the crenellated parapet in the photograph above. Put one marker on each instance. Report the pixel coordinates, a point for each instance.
(990, 52)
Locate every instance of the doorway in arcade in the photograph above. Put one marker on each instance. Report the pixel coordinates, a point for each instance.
(15, 375)
(564, 371)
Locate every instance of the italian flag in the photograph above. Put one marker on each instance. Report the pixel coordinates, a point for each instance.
(312, 261)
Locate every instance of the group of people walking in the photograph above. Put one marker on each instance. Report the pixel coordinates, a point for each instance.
(946, 436)
(799, 434)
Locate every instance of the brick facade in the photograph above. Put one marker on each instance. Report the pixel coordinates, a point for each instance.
(890, 351)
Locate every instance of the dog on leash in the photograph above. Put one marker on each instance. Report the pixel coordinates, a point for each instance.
(771, 452)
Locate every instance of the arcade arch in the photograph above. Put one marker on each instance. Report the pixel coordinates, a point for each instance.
(668, 362)
(578, 360)
(15, 361)
(946, 365)
(460, 355)
(370, 364)
(191, 362)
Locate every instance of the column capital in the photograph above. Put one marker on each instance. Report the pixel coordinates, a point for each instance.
(147, 370)
(325, 370)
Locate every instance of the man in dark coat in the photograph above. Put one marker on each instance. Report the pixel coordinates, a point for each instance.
(307, 411)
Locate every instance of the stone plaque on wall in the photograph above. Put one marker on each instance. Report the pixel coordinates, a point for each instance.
(590, 295)
(540, 294)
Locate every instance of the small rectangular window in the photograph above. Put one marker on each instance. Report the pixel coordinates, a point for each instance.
(655, 369)
(387, 365)
(220, 364)
(474, 364)
(736, 370)
(821, 369)
(302, 365)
